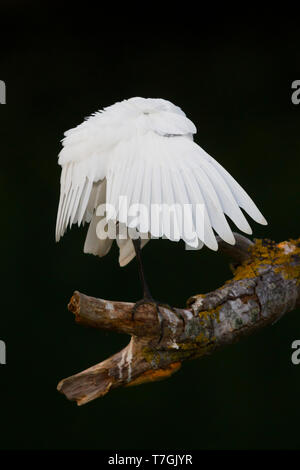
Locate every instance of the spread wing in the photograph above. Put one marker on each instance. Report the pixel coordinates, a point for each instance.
(83, 161)
(126, 157)
(165, 171)
(87, 150)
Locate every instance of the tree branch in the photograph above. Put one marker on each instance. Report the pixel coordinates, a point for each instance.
(265, 286)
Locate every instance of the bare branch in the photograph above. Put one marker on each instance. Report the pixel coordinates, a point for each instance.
(265, 286)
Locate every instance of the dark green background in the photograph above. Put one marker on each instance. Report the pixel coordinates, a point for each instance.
(233, 79)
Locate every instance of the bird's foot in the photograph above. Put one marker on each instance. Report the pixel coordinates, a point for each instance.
(149, 301)
(156, 304)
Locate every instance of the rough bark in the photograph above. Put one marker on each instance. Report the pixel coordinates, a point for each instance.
(265, 286)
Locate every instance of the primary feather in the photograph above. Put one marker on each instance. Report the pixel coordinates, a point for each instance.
(143, 149)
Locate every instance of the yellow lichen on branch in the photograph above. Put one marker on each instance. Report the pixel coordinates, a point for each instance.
(268, 253)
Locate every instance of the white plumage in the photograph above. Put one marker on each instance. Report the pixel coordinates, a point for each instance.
(143, 149)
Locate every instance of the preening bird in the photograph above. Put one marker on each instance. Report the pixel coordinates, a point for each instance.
(140, 154)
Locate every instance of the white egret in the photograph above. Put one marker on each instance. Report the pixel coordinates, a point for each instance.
(141, 151)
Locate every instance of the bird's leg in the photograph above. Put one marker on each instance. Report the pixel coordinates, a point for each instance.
(147, 297)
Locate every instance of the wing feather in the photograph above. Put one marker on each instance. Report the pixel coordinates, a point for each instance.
(93, 243)
(168, 200)
(127, 251)
(182, 197)
(214, 209)
(203, 225)
(173, 171)
(242, 198)
(76, 189)
(154, 161)
(228, 202)
(156, 228)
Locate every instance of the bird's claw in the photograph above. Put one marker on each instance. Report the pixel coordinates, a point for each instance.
(156, 304)
(150, 301)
